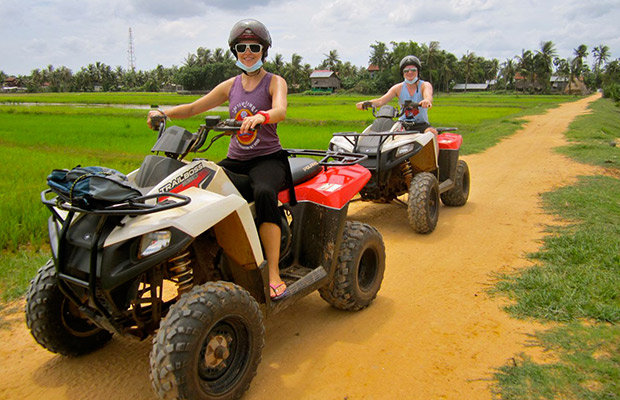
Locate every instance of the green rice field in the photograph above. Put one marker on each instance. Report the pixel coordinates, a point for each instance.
(41, 132)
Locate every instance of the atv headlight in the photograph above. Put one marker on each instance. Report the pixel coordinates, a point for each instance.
(408, 148)
(337, 149)
(154, 242)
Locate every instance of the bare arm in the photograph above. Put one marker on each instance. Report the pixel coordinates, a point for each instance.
(212, 99)
(386, 98)
(427, 95)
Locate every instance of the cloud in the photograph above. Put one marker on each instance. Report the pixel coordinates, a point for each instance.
(75, 33)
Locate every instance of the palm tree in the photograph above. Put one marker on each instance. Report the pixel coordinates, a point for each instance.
(278, 64)
(508, 72)
(581, 52)
(525, 66)
(468, 61)
(379, 56)
(430, 54)
(204, 56)
(544, 63)
(191, 60)
(332, 62)
(601, 56)
(219, 56)
(295, 74)
(563, 69)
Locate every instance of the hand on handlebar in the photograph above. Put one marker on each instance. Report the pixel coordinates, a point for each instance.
(251, 122)
(363, 105)
(154, 119)
(425, 104)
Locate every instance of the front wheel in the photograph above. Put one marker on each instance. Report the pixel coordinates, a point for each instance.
(361, 264)
(209, 345)
(423, 202)
(458, 195)
(55, 322)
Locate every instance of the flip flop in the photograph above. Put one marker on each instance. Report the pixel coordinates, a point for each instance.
(276, 292)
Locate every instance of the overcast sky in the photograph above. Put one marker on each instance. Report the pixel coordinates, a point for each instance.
(75, 33)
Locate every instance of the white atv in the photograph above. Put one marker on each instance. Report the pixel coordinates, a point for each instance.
(417, 165)
(183, 261)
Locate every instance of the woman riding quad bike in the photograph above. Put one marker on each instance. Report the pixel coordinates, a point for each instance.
(421, 166)
(173, 250)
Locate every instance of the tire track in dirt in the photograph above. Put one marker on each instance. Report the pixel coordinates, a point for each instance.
(432, 333)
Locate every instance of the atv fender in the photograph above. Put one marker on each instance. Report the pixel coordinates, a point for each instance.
(229, 216)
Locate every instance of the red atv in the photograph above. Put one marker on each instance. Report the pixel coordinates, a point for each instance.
(418, 165)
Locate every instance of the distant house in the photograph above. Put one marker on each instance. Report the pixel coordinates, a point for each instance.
(471, 87)
(577, 86)
(12, 84)
(372, 70)
(523, 83)
(324, 80)
(559, 83)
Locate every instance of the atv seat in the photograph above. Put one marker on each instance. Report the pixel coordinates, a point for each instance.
(302, 169)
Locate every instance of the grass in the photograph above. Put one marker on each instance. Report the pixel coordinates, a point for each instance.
(68, 129)
(576, 279)
(595, 141)
(587, 366)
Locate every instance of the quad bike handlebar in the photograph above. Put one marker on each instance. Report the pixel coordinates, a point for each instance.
(394, 111)
(228, 126)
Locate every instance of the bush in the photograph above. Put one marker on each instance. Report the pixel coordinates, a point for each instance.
(612, 91)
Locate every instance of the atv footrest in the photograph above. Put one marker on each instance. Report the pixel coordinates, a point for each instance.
(300, 288)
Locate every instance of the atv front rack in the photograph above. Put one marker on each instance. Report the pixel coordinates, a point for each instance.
(353, 137)
(383, 135)
(134, 206)
(97, 311)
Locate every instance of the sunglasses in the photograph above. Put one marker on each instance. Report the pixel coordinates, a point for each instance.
(254, 47)
(409, 70)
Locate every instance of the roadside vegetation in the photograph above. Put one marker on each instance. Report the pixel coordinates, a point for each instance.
(35, 139)
(574, 286)
(540, 70)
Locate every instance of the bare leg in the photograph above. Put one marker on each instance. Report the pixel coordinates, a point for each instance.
(270, 237)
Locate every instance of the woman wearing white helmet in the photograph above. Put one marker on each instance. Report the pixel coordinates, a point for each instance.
(412, 88)
(255, 97)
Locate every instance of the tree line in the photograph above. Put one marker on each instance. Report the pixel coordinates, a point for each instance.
(206, 68)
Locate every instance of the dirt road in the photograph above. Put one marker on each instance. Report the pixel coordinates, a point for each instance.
(432, 333)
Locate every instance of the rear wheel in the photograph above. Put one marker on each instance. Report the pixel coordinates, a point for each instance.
(423, 202)
(458, 195)
(209, 345)
(55, 322)
(361, 264)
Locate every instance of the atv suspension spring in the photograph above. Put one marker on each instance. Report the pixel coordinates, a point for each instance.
(407, 171)
(181, 273)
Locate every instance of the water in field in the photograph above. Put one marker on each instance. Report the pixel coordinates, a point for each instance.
(125, 106)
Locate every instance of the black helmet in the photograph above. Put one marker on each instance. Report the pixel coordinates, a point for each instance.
(410, 60)
(249, 29)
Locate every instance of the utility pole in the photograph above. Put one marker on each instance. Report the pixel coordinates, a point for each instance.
(131, 56)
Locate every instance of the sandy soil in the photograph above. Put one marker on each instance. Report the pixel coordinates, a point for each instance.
(432, 333)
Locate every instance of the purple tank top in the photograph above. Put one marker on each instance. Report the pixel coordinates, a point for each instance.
(242, 104)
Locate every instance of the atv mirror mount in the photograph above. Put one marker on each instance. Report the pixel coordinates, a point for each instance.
(212, 120)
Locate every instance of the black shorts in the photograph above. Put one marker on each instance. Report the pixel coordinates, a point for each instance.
(267, 176)
(416, 126)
